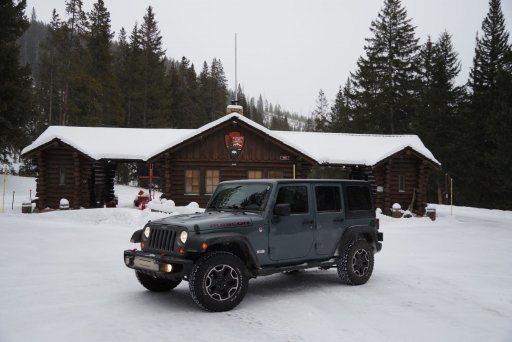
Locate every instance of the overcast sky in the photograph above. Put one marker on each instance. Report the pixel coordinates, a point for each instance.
(287, 49)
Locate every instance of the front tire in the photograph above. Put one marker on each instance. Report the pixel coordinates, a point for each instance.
(218, 282)
(356, 263)
(156, 284)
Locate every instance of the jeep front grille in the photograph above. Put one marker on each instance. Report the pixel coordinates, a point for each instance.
(161, 240)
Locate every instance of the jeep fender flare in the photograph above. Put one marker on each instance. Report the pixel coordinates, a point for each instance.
(137, 236)
(367, 233)
(224, 241)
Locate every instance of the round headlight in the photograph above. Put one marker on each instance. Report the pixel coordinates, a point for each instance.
(147, 230)
(183, 236)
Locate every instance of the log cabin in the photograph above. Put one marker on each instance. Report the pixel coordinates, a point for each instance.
(79, 163)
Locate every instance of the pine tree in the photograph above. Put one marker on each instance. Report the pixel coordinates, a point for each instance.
(218, 89)
(104, 106)
(342, 110)
(30, 41)
(15, 84)
(257, 110)
(135, 88)
(205, 96)
(50, 81)
(384, 82)
(184, 105)
(487, 182)
(320, 114)
(153, 72)
(440, 102)
(122, 59)
(75, 94)
(259, 105)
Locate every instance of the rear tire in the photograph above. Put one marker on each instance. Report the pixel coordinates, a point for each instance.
(156, 284)
(218, 282)
(355, 266)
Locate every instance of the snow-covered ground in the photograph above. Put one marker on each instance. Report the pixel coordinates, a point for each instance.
(62, 278)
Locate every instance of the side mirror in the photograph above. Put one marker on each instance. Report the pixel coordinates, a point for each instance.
(282, 209)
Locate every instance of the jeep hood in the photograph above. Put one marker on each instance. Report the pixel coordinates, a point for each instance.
(212, 220)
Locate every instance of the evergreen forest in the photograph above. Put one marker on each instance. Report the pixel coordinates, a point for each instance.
(74, 72)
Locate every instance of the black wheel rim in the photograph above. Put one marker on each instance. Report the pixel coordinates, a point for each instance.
(221, 282)
(361, 262)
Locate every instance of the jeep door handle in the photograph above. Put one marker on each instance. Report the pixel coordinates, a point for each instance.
(308, 222)
(339, 219)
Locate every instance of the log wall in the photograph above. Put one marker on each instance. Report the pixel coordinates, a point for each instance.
(208, 152)
(415, 172)
(76, 171)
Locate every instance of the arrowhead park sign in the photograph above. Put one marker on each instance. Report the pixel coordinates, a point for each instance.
(234, 144)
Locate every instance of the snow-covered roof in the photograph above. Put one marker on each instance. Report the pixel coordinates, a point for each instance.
(143, 144)
(109, 143)
(353, 149)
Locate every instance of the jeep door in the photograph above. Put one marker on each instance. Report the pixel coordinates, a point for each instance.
(292, 237)
(330, 217)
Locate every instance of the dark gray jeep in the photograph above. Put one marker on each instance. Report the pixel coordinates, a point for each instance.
(259, 227)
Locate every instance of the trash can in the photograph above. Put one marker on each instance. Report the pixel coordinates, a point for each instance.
(26, 208)
(396, 210)
(431, 212)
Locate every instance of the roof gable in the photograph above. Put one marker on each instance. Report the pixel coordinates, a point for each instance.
(228, 120)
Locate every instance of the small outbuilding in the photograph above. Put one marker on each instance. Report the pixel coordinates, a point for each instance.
(79, 163)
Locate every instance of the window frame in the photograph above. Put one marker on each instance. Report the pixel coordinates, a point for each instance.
(251, 171)
(281, 174)
(207, 179)
(401, 183)
(292, 212)
(192, 185)
(338, 202)
(62, 176)
(350, 199)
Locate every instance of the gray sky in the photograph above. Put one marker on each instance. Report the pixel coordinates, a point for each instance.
(287, 49)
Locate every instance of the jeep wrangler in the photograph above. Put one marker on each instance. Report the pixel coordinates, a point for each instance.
(254, 228)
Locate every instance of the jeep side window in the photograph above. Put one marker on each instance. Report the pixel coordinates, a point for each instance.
(297, 196)
(358, 198)
(328, 198)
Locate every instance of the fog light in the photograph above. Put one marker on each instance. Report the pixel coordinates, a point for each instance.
(182, 251)
(167, 268)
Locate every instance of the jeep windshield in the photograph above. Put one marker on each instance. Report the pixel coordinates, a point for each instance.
(240, 197)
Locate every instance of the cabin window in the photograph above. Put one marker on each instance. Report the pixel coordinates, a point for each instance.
(254, 174)
(275, 174)
(401, 183)
(192, 182)
(62, 176)
(212, 180)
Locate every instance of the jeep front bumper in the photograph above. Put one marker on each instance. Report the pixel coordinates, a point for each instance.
(159, 266)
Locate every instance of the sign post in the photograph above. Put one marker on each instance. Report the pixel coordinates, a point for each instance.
(451, 196)
(3, 193)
